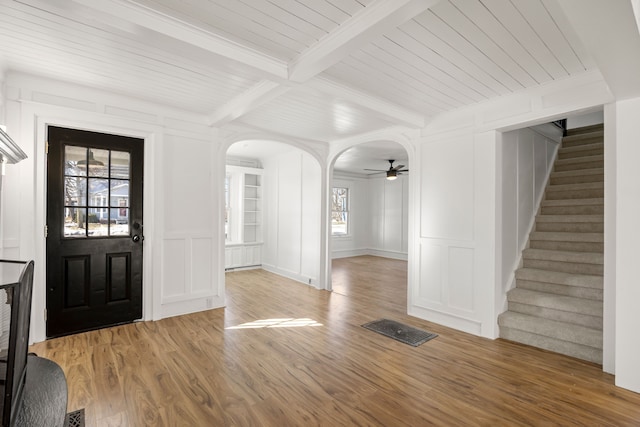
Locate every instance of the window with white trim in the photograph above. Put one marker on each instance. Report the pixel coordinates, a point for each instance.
(340, 211)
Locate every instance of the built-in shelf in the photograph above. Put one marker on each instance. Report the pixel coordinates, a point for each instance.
(244, 250)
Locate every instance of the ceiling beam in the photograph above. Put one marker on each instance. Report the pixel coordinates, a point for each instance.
(164, 23)
(357, 31)
(257, 95)
(609, 31)
(398, 114)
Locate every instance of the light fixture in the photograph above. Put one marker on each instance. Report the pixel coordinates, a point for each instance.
(92, 162)
(392, 174)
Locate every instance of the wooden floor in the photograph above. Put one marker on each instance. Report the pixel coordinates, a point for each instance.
(284, 354)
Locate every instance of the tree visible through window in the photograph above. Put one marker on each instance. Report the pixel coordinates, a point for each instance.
(340, 211)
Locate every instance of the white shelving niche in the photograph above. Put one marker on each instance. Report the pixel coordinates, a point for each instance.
(244, 230)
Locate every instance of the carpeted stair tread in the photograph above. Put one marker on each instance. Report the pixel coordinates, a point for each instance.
(560, 278)
(574, 202)
(586, 131)
(590, 354)
(577, 186)
(558, 289)
(552, 328)
(577, 172)
(566, 236)
(556, 302)
(564, 256)
(571, 218)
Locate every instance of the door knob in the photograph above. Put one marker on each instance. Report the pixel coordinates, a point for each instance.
(135, 238)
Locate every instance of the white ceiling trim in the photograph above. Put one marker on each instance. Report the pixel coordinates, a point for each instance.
(353, 34)
(400, 115)
(173, 27)
(257, 95)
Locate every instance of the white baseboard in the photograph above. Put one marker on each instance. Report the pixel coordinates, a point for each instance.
(368, 251)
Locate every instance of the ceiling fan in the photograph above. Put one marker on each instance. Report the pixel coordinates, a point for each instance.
(392, 172)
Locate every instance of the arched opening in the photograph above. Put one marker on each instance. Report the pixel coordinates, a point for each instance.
(273, 197)
(370, 253)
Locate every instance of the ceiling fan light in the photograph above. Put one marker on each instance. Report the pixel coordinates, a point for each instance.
(391, 175)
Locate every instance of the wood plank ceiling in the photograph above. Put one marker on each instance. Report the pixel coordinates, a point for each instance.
(322, 70)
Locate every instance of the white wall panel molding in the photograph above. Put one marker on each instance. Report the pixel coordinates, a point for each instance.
(455, 278)
(187, 270)
(23, 87)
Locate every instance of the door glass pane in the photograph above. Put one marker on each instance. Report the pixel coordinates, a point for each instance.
(75, 191)
(119, 193)
(98, 222)
(74, 222)
(119, 222)
(98, 162)
(96, 206)
(120, 164)
(72, 155)
(98, 192)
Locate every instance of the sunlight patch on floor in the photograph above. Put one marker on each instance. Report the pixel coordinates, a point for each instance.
(277, 323)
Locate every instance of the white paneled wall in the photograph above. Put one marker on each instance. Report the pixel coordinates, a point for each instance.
(378, 218)
(456, 245)
(292, 200)
(527, 158)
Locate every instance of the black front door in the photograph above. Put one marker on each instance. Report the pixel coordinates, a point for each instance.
(94, 230)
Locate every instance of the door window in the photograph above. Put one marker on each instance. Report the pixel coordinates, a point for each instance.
(96, 192)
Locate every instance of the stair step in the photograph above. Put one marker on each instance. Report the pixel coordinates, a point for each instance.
(565, 304)
(566, 237)
(556, 289)
(577, 176)
(570, 218)
(587, 162)
(574, 202)
(560, 278)
(567, 246)
(552, 328)
(593, 149)
(571, 227)
(566, 241)
(584, 190)
(573, 210)
(590, 354)
(564, 261)
(585, 130)
(583, 139)
(583, 223)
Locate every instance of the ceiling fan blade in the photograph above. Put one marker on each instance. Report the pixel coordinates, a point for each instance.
(375, 173)
(396, 168)
(404, 170)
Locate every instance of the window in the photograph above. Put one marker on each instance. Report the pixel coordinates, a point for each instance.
(340, 211)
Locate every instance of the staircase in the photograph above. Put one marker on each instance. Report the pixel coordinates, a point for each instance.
(557, 302)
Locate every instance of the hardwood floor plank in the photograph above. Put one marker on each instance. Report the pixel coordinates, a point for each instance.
(284, 354)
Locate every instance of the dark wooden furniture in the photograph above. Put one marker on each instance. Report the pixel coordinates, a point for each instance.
(34, 390)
